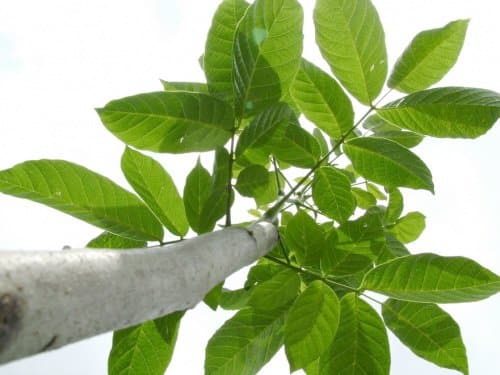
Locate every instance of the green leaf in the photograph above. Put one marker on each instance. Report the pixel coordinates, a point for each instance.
(395, 206)
(428, 331)
(245, 343)
(361, 345)
(267, 52)
(108, 240)
(331, 191)
(214, 209)
(173, 122)
(404, 138)
(84, 194)
(445, 112)
(256, 137)
(218, 57)
(392, 248)
(364, 199)
(212, 298)
(155, 186)
(388, 163)
(197, 190)
(430, 55)
(323, 145)
(337, 262)
(146, 348)
(351, 39)
(297, 147)
(322, 100)
(276, 292)
(220, 169)
(375, 190)
(311, 324)
(305, 238)
(234, 299)
(184, 86)
(257, 182)
(432, 278)
(408, 228)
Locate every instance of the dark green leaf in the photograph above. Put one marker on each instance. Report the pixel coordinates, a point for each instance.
(146, 348)
(322, 100)
(174, 122)
(218, 57)
(395, 207)
(391, 249)
(404, 138)
(432, 278)
(184, 86)
(351, 39)
(311, 324)
(305, 238)
(108, 240)
(212, 298)
(388, 163)
(196, 193)
(337, 262)
(276, 292)
(296, 147)
(84, 194)
(214, 209)
(234, 299)
(245, 343)
(409, 227)
(428, 331)
(155, 186)
(331, 191)
(257, 182)
(220, 169)
(361, 345)
(430, 55)
(446, 112)
(267, 52)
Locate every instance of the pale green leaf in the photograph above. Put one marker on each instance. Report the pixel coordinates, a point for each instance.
(276, 292)
(145, 349)
(267, 52)
(391, 249)
(395, 206)
(430, 55)
(305, 238)
(364, 199)
(184, 86)
(428, 331)
(108, 240)
(155, 186)
(311, 324)
(351, 39)
(445, 112)
(432, 278)
(409, 227)
(218, 57)
(322, 100)
(245, 343)
(388, 163)
(361, 346)
(331, 191)
(173, 122)
(84, 194)
(323, 145)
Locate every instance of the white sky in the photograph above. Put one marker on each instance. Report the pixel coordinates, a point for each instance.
(60, 59)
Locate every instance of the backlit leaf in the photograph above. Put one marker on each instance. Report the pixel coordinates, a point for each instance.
(428, 331)
(197, 190)
(430, 55)
(84, 194)
(395, 206)
(351, 39)
(276, 292)
(388, 163)
(297, 147)
(445, 112)
(173, 122)
(185, 86)
(311, 324)
(108, 240)
(257, 182)
(432, 278)
(305, 238)
(361, 345)
(409, 227)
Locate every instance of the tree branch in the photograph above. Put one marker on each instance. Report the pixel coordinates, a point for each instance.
(50, 299)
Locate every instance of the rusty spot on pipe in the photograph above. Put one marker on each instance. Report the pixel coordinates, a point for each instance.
(10, 317)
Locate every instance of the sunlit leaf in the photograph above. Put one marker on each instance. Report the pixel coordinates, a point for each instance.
(185, 86)
(84, 194)
(322, 100)
(245, 343)
(351, 39)
(409, 227)
(432, 278)
(395, 206)
(331, 191)
(446, 112)
(147, 347)
(364, 199)
(428, 331)
(173, 122)
(323, 145)
(218, 57)
(430, 55)
(388, 163)
(311, 324)
(108, 240)
(361, 345)
(267, 52)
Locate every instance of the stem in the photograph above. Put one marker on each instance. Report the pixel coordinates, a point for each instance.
(277, 174)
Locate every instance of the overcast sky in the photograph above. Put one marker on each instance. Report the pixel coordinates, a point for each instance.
(60, 59)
